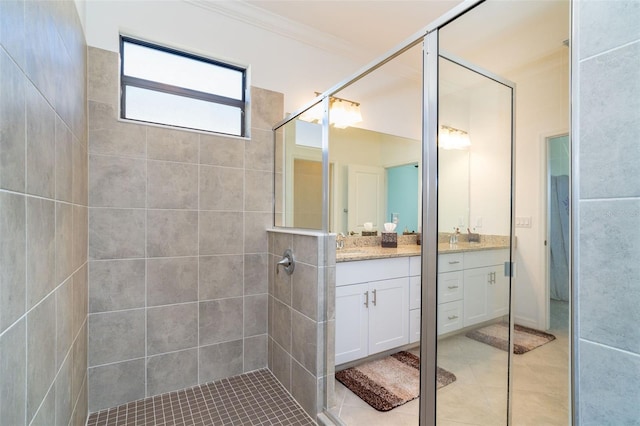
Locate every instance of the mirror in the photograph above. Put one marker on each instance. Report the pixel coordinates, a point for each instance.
(366, 167)
(298, 177)
(375, 177)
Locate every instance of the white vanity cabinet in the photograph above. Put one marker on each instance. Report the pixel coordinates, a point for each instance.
(486, 289)
(372, 307)
(378, 301)
(472, 288)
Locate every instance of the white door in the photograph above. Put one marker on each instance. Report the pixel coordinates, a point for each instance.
(365, 188)
(388, 314)
(476, 297)
(352, 322)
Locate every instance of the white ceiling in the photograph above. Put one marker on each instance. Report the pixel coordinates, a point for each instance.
(500, 36)
(373, 25)
(504, 35)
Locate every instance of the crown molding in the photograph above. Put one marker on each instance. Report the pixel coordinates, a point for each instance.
(261, 18)
(285, 27)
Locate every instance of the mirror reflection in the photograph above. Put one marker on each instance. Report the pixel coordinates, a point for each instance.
(374, 177)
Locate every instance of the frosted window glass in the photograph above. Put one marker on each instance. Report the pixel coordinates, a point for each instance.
(164, 67)
(157, 107)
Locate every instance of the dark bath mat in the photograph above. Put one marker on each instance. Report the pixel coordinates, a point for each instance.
(389, 382)
(525, 338)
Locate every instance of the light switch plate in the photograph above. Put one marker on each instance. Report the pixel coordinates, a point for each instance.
(523, 221)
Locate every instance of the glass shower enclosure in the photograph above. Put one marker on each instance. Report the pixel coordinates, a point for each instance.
(465, 130)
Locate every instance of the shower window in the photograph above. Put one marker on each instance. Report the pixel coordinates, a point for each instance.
(165, 86)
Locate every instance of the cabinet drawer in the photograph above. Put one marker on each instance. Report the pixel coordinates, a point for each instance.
(414, 325)
(371, 270)
(414, 292)
(450, 262)
(415, 265)
(449, 316)
(450, 286)
(479, 259)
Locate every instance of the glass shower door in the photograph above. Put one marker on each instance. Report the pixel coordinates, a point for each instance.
(475, 111)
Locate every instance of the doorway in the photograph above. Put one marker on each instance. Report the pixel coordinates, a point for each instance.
(402, 197)
(558, 214)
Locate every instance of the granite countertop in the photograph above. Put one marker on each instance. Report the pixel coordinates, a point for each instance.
(377, 252)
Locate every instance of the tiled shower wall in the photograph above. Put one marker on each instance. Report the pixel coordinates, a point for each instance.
(43, 214)
(608, 211)
(301, 312)
(177, 247)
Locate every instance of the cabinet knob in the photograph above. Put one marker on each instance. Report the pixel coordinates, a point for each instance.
(451, 287)
(454, 262)
(452, 317)
(366, 299)
(374, 297)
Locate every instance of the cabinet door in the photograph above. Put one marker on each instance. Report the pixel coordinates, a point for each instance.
(352, 317)
(388, 314)
(476, 295)
(498, 293)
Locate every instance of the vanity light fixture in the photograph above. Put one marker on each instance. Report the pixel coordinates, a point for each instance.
(342, 113)
(452, 138)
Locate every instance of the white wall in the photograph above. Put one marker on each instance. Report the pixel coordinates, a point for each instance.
(490, 159)
(276, 62)
(542, 110)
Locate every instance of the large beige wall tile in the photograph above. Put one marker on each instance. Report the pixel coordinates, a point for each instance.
(116, 336)
(13, 285)
(220, 320)
(116, 181)
(172, 328)
(220, 360)
(172, 145)
(172, 280)
(40, 249)
(220, 276)
(172, 185)
(40, 145)
(221, 188)
(116, 284)
(116, 233)
(172, 233)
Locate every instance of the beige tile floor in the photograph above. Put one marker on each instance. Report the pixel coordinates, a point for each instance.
(478, 396)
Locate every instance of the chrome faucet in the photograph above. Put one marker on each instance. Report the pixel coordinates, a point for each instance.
(340, 240)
